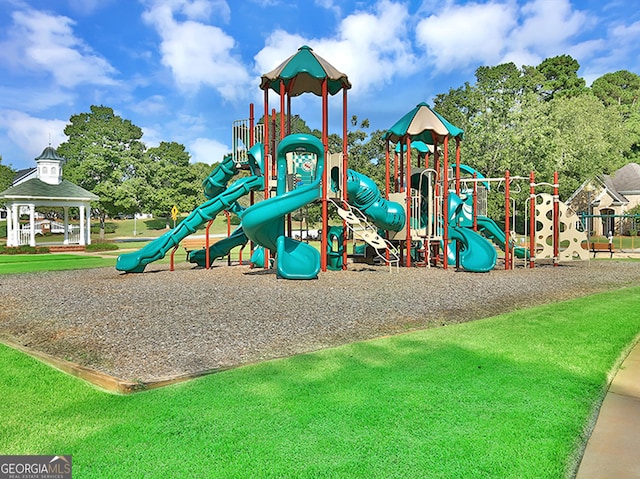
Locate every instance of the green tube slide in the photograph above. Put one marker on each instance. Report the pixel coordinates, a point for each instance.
(363, 193)
(223, 199)
(263, 222)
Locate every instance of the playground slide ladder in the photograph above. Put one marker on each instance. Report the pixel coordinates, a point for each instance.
(357, 222)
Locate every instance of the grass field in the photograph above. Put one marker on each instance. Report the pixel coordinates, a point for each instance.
(505, 397)
(25, 263)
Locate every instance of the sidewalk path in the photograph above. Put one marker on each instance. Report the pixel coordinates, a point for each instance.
(613, 450)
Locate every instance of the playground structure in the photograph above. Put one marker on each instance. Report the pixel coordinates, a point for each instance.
(425, 216)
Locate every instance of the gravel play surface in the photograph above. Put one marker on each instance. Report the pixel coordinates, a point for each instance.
(162, 324)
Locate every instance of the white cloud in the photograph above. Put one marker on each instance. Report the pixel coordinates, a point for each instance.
(197, 54)
(547, 26)
(500, 31)
(371, 47)
(151, 136)
(38, 41)
(462, 35)
(206, 150)
(32, 134)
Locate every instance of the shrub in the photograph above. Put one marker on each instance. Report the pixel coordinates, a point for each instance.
(23, 249)
(102, 246)
(158, 223)
(109, 228)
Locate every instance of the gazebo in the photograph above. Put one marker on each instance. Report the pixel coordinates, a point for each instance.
(46, 188)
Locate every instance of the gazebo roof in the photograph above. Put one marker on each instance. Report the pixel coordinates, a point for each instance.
(304, 72)
(49, 153)
(39, 190)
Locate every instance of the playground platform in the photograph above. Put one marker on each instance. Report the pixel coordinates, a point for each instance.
(612, 449)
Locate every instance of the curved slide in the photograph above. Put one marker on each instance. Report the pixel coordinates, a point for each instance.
(219, 249)
(491, 230)
(136, 261)
(263, 222)
(476, 254)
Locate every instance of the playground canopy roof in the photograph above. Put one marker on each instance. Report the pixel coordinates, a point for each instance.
(304, 73)
(422, 123)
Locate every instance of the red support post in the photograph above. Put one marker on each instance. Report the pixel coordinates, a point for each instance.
(445, 198)
(207, 264)
(252, 135)
(325, 141)
(475, 202)
(532, 220)
(345, 165)
(507, 242)
(457, 165)
(556, 220)
(171, 260)
(408, 187)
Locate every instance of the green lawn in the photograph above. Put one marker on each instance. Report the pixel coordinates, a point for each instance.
(24, 263)
(505, 397)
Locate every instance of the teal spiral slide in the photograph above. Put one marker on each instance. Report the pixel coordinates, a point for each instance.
(263, 223)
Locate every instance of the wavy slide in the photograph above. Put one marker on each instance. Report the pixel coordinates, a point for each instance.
(219, 249)
(263, 222)
(491, 230)
(476, 253)
(224, 199)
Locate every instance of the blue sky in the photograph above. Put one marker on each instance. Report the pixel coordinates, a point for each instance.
(183, 70)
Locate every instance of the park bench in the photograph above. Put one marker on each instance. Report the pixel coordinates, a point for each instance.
(597, 247)
(191, 244)
(196, 243)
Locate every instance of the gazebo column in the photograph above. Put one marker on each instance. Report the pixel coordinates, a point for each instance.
(83, 238)
(10, 225)
(88, 225)
(66, 224)
(32, 225)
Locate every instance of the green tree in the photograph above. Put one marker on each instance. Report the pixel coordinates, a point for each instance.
(101, 154)
(6, 176)
(166, 178)
(560, 77)
(621, 88)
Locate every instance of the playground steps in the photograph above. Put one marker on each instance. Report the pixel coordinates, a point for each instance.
(357, 222)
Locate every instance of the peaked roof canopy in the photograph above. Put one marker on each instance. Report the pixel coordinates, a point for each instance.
(304, 73)
(422, 123)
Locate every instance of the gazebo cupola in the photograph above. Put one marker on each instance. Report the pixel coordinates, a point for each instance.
(49, 166)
